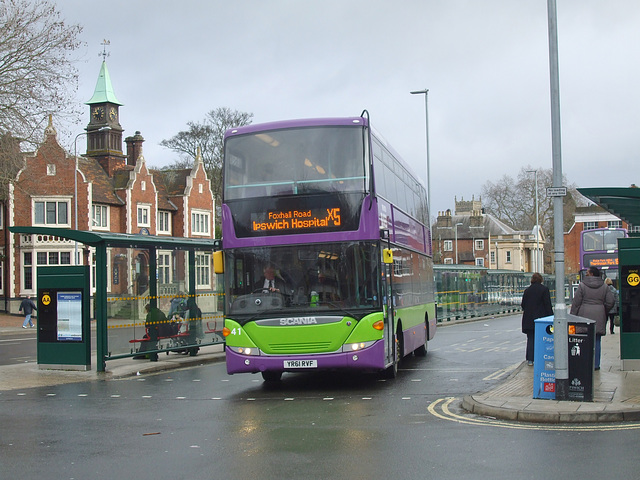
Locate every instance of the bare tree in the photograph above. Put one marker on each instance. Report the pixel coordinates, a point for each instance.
(37, 73)
(208, 135)
(513, 202)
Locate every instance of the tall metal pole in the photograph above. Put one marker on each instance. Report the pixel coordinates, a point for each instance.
(76, 260)
(426, 113)
(456, 232)
(75, 194)
(561, 349)
(537, 258)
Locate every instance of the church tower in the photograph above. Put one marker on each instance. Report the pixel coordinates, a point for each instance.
(104, 132)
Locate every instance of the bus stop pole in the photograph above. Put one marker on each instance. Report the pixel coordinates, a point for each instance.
(561, 350)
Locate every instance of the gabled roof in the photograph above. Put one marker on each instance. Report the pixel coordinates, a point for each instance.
(491, 226)
(173, 181)
(103, 188)
(104, 90)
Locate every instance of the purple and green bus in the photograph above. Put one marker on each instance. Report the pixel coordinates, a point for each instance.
(327, 250)
(599, 248)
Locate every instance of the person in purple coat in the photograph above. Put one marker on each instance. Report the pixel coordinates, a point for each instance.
(536, 303)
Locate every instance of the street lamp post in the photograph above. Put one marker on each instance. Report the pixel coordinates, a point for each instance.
(537, 266)
(456, 235)
(75, 188)
(426, 113)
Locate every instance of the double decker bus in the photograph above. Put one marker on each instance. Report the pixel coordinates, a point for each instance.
(339, 222)
(599, 248)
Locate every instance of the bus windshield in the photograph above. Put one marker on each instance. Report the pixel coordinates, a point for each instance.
(305, 278)
(598, 240)
(295, 161)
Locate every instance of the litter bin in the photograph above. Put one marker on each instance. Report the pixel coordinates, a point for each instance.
(544, 370)
(581, 335)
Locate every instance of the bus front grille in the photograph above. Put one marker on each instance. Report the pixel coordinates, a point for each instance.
(314, 347)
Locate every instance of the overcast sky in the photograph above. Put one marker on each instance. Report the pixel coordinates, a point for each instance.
(485, 63)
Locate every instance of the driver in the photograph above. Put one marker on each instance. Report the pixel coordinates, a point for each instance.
(270, 281)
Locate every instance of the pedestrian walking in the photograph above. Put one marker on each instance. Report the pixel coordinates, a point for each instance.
(593, 299)
(27, 307)
(614, 310)
(536, 303)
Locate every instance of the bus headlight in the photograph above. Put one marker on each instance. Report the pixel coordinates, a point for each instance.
(251, 351)
(355, 347)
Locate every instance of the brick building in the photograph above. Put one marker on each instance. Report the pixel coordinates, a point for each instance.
(472, 237)
(116, 192)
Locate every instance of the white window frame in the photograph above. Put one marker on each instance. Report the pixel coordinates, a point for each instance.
(203, 270)
(48, 200)
(30, 268)
(143, 215)
(590, 225)
(200, 222)
(105, 221)
(448, 261)
(508, 256)
(163, 222)
(615, 224)
(164, 264)
(479, 262)
(448, 246)
(479, 244)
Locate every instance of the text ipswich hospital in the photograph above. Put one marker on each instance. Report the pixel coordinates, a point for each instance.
(298, 219)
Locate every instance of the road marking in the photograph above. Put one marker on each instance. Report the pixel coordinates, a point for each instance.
(440, 409)
(500, 373)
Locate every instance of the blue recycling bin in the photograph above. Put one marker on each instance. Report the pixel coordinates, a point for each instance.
(544, 370)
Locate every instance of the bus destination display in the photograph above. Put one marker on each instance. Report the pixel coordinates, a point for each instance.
(296, 220)
(601, 260)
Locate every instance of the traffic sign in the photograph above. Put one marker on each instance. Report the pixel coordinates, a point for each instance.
(556, 191)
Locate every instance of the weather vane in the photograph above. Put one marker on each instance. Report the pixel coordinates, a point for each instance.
(104, 52)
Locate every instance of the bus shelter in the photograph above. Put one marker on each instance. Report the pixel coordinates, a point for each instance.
(624, 203)
(152, 294)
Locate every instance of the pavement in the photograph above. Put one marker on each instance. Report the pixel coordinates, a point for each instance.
(616, 393)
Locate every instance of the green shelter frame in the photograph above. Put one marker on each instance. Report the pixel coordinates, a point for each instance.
(103, 240)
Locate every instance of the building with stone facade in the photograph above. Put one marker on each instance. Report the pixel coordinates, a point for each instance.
(106, 190)
(472, 237)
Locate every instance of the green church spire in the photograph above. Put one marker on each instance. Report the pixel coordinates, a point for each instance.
(104, 90)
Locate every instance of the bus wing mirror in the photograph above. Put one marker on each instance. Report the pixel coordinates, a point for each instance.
(218, 262)
(387, 255)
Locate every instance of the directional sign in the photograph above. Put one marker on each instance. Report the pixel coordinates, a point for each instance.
(556, 191)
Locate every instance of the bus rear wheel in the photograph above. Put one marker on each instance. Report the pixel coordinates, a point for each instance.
(271, 376)
(421, 351)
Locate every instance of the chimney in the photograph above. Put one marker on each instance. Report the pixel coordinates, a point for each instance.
(134, 148)
(476, 218)
(444, 219)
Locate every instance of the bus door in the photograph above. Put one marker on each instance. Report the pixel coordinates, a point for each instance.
(388, 306)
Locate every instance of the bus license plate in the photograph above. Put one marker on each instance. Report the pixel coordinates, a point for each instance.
(300, 364)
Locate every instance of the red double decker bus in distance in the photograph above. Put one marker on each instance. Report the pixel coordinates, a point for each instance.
(599, 248)
(327, 250)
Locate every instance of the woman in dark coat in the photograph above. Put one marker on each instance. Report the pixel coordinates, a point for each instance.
(536, 303)
(593, 299)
